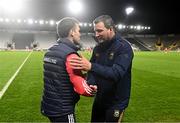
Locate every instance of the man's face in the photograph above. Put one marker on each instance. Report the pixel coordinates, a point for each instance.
(101, 32)
(76, 34)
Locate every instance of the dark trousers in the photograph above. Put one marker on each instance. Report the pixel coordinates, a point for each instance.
(106, 115)
(70, 118)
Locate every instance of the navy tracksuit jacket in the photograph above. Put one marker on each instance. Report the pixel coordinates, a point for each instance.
(111, 71)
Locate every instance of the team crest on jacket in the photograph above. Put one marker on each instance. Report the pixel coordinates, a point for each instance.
(97, 55)
(111, 55)
(116, 113)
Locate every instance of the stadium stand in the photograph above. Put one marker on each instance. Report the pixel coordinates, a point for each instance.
(167, 42)
(45, 39)
(5, 38)
(154, 42)
(42, 40)
(138, 43)
(148, 40)
(22, 40)
(87, 40)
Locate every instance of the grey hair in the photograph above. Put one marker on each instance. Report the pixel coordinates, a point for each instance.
(107, 20)
(65, 25)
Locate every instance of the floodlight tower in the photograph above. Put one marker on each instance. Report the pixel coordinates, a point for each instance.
(11, 6)
(129, 10)
(75, 6)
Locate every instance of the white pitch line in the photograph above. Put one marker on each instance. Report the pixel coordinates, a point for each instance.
(12, 78)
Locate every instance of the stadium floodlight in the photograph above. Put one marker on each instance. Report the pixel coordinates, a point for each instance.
(7, 20)
(120, 26)
(129, 10)
(75, 6)
(41, 22)
(81, 24)
(11, 5)
(149, 28)
(19, 20)
(30, 21)
(51, 22)
(85, 24)
(1, 19)
(138, 27)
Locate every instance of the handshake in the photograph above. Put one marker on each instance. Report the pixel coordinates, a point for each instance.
(90, 90)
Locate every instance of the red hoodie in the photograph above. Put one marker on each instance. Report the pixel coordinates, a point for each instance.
(76, 77)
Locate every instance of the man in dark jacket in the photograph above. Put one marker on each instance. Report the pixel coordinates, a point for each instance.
(110, 69)
(62, 84)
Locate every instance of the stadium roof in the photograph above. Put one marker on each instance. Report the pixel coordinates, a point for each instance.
(161, 16)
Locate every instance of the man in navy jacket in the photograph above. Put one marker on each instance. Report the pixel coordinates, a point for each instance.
(110, 69)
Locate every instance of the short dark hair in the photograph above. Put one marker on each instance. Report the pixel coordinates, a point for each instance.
(107, 20)
(65, 25)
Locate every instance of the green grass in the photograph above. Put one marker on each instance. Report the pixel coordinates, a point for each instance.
(9, 63)
(22, 100)
(155, 95)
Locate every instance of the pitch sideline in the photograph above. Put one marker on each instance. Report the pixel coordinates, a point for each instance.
(12, 78)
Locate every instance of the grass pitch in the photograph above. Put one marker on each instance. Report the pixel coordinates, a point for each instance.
(155, 95)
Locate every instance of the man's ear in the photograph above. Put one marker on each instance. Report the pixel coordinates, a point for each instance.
(111, 28)
(71, 33)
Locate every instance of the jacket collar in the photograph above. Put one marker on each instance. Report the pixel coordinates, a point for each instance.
(69, 43)
(105, 45)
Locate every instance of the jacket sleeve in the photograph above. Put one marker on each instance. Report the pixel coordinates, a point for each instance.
(120, 66)
(79, 83)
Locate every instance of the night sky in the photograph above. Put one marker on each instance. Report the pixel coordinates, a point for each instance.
(162, 16)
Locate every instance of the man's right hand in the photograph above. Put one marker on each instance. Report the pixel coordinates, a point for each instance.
(90, 90)
(80, 63)
(94, 88)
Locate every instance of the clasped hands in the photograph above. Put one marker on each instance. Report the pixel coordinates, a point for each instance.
(82, 63)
